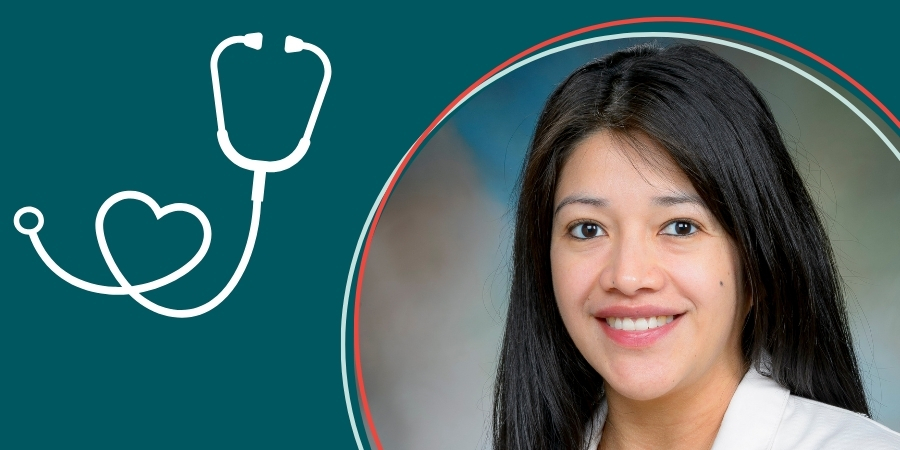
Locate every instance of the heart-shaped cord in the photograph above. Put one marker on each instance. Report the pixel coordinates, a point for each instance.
(136, 291)
(125, 286)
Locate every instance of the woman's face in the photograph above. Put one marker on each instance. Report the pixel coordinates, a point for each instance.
(646, 280)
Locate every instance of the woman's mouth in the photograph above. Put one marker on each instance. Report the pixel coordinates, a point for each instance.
(638, 332)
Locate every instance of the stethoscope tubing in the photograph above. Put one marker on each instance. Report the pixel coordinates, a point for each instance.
(259, 169)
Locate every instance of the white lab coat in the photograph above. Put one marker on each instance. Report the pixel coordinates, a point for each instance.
(763, 415)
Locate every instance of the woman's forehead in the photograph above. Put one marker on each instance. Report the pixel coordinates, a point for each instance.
(621, 167)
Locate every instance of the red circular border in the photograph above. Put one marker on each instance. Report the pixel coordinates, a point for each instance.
(505, 64)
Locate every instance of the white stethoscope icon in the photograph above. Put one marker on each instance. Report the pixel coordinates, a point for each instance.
(259, 169)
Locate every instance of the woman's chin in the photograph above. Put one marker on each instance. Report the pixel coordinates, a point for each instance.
(638, 394)
(641, 383)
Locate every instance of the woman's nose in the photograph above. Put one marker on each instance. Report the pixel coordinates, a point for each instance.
(631, 267)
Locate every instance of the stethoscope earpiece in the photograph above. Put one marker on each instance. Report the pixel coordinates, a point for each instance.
(292, 44)
(253, 40)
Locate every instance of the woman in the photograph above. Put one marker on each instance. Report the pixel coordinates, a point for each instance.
(673, 285)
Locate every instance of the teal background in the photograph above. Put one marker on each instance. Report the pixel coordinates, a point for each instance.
(96, 99)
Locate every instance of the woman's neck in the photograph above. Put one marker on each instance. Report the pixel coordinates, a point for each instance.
(687, 418)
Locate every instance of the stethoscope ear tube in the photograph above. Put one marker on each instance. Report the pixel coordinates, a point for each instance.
(291, 45)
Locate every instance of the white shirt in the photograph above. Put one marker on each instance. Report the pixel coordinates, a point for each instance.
(763, 415)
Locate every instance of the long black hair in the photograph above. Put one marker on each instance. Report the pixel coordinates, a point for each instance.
(719, 131)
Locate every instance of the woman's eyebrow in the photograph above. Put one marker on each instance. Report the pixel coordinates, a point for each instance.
(677, 199)
(593, 201)
(599, 202)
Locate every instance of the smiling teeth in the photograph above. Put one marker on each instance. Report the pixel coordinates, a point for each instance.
(639, 324)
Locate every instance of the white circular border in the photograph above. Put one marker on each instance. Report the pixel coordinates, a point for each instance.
(515, 66)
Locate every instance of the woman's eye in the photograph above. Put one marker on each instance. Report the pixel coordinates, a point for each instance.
(680, 228)
(586, 231)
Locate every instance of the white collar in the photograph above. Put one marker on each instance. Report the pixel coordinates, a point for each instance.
(754, 414)
(750, 422)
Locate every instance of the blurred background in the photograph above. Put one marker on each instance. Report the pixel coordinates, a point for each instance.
(434, 297)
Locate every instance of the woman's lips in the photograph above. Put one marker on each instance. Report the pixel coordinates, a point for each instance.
(637, 331)
(635, 311)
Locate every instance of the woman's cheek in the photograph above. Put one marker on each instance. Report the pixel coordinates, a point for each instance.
(706, 278)
(573, 279)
